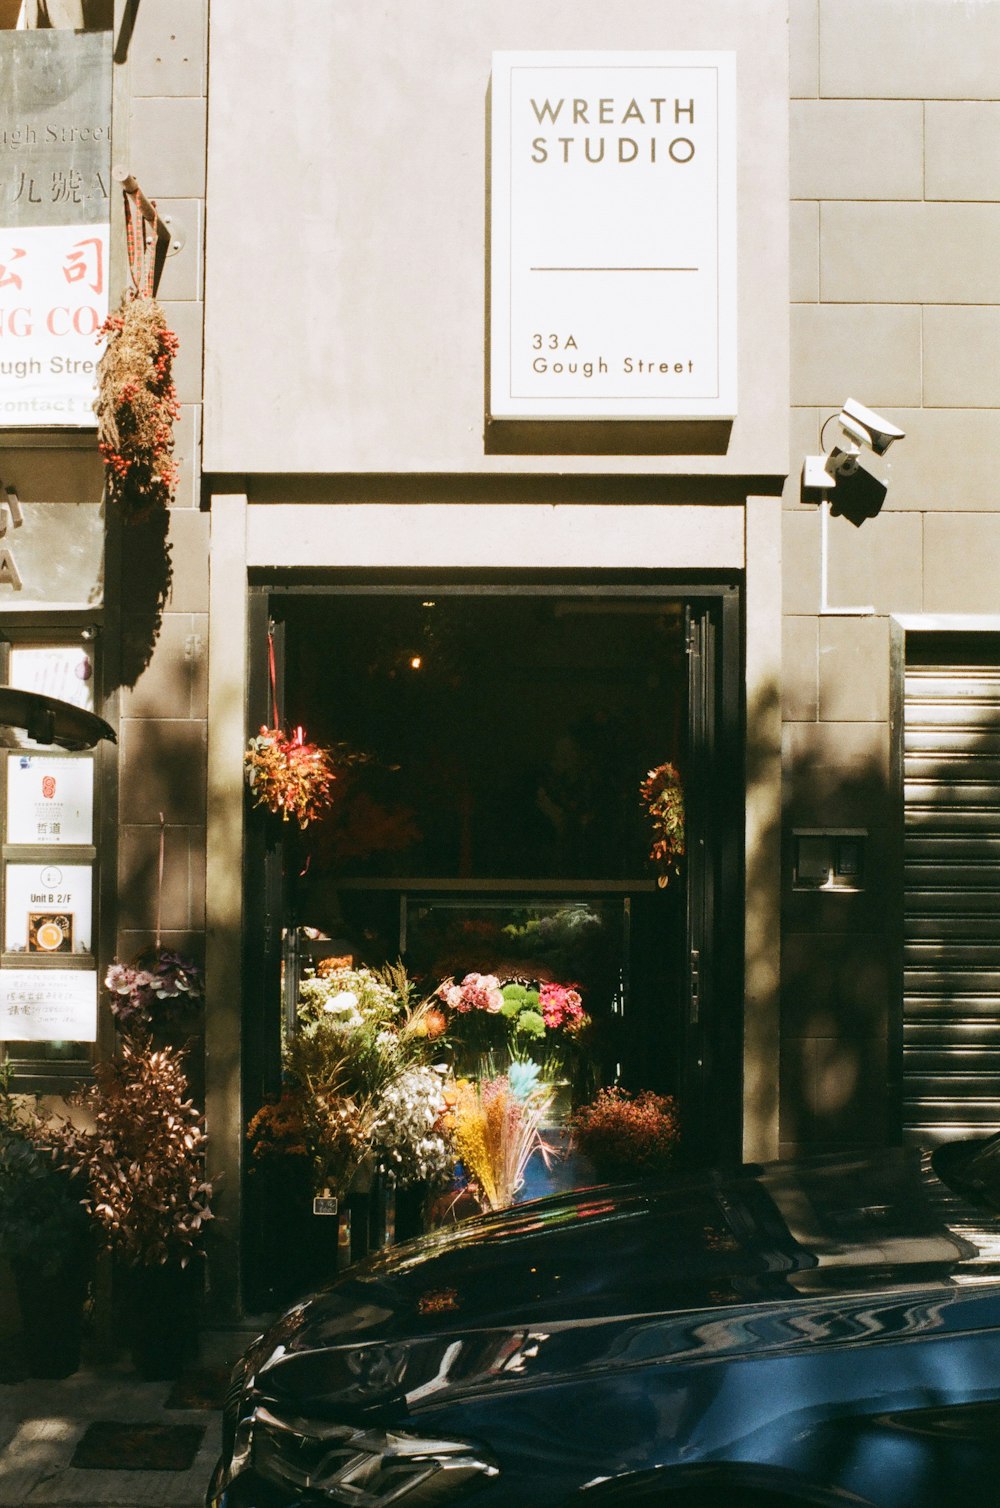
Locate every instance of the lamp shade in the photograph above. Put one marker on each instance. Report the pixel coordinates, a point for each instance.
(47, 720)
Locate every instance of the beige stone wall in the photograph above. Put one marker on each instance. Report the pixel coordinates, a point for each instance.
(348, 154)
(159, 134)
(895, 287)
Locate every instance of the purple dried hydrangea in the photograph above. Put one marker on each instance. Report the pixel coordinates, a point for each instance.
(153, 990)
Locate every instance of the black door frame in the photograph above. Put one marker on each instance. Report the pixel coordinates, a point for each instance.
(713, 1057)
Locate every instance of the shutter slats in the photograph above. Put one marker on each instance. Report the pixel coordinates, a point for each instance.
(951, 954)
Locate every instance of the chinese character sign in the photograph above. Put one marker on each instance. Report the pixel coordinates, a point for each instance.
(53, 301)
(55, 157)
(51, 1005)
(50, 799)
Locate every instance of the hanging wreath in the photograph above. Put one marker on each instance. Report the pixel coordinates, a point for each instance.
(290, 776)
(663, 797)
(137, 406)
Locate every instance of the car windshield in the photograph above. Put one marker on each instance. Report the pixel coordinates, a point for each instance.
(971, 1168)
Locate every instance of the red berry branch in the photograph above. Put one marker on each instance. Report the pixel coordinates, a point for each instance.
(137, 406)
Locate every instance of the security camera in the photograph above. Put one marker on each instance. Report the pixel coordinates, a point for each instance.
(861, 426)
(868, 428)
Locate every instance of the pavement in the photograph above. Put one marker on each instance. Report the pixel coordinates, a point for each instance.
(67, 1443)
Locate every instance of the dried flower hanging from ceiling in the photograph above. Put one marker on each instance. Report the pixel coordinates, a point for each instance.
(663, 797)
(290, 776)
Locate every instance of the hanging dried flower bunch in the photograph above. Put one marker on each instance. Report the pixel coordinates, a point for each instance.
(663, 797)
(289, 775)
(137, 406)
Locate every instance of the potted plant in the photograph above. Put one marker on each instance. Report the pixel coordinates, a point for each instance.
(45, 1236)
(144, 1165)
(626, 1136)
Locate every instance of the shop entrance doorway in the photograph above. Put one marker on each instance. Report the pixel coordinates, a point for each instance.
(490, 820)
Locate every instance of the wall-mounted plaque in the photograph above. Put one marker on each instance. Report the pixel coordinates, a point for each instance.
(613, 245)
(50, 799)
(49, 908)
(55, 154)
(48, 1005)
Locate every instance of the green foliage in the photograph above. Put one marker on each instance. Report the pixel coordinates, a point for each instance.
(357, 1032)
(43, 1221)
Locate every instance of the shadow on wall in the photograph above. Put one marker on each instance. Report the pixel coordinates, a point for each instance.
(840, 956)
(146, 575)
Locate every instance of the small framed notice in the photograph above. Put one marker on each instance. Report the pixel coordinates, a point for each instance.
(50, 799)
(48, 1005)
(613, 238)
(49, 908)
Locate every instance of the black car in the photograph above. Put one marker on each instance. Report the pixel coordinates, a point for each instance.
(821, 1332)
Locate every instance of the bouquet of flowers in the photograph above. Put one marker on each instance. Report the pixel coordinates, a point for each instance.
(409, 1134)
(498, 1125)
(493, 1023)
(627, 1136)
(312, 1125)
(477, 992)
(358, 1086)
(289, 775)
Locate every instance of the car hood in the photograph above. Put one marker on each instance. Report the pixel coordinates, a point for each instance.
(599, 1259)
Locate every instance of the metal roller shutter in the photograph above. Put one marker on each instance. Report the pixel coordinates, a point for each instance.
(951, 961)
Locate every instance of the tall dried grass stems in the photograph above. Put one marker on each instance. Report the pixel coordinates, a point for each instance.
(137, 406)
(496, 1134)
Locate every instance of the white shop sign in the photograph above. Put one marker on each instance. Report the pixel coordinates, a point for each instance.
(49, 799)
(53, 279)
(613, 244)
(49, 908)
(48, 1005)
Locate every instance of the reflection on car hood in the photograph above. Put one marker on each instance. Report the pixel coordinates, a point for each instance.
(608, 1257)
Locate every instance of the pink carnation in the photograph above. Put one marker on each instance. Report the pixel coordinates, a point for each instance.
(561, 1006)
(477, 992)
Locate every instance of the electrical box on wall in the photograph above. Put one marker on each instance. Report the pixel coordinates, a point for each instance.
(828, 859)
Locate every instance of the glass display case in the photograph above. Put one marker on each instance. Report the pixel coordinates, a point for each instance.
(581, 941)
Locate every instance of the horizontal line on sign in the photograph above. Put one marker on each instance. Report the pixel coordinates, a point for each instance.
(614, 269)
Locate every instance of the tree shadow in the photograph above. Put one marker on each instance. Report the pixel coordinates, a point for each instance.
(146, 577)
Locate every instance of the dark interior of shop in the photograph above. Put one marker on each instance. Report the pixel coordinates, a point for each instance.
(487, 811)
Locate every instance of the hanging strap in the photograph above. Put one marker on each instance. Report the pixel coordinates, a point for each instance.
(140, 236)
(159, 883)
(274, 676)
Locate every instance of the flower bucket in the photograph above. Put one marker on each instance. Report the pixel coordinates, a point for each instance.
(52, 1305)
(162, 1315)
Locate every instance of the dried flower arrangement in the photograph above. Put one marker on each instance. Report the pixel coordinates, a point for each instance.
(289, 775)
(144, 1160)
(137, 406)
(497, 1128)
(663, 797)
(627, 1136)
(153, 991)
(315, 1126)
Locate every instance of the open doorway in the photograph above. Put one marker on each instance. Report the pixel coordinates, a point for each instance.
(493, 819)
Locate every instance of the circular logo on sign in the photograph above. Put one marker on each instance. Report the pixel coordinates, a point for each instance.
(48, 786)
(50, 936)
(51, 875)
